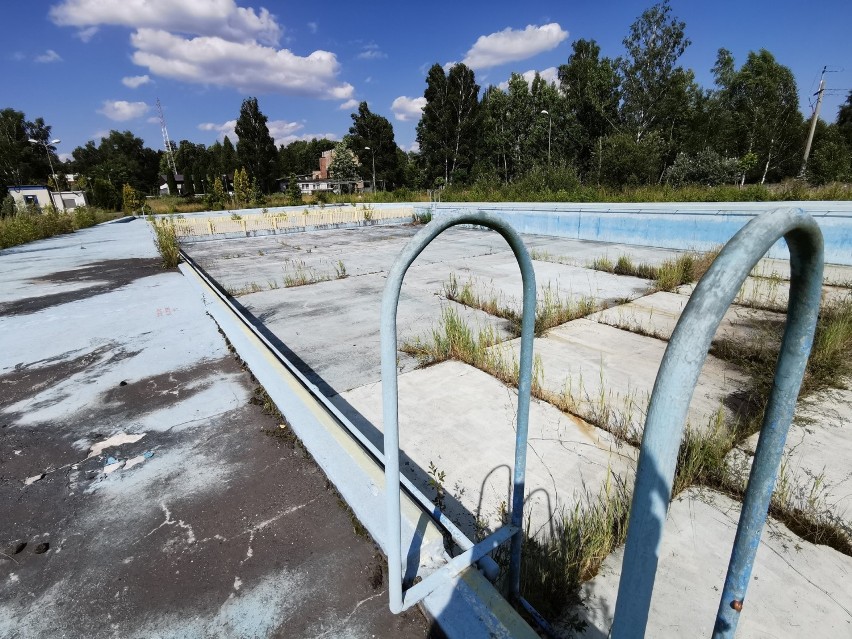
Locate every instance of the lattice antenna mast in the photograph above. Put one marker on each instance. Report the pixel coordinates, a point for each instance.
(166, 141)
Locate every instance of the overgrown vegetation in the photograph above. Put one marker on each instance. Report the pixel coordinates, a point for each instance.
(552, 309)
(554, 567)
(296, 273)
(684, 269)
(165, 239)
(28, 226)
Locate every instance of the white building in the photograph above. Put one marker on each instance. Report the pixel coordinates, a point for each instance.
(41, 197)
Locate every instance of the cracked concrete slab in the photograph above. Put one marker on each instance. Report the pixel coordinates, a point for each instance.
(797, 589)
(656, 315)
(460, 421)
(815, 468)
(773, 293)
(609, 373)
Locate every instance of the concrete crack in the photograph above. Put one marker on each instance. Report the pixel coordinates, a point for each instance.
(180, 523)
(345, 621)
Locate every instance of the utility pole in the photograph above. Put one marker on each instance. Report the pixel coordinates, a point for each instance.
(814, 119)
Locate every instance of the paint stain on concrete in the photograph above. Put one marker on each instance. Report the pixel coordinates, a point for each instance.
(25, 381)
(105, 276)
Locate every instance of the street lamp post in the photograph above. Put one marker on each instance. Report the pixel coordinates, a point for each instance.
(50, 161)
(549, 128)
(366, 148)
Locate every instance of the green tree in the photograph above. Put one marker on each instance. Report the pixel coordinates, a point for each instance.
(191, 162)
(764, 101)
(495, 136)
(844, 121)
(255, 147)
(8, 207)
(829, 160)
(257, 196)
(242, 187)
(448, 131)
(228, 157)
(131, 200)
(590, 85)
(302, 157)
(216, 197)
(649, 72)
(294, 193)
(622, 160)
(375, 131)
(706, 167)
(120, 158)
(21, 161)
(343, 167)
(171, 182)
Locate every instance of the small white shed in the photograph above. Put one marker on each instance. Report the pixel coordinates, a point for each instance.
(41, 196)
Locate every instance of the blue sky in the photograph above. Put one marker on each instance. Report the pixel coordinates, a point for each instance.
(88, 66)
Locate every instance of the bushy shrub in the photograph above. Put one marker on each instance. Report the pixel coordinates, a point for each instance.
(705, 167)
(7, 207)
(131, 199)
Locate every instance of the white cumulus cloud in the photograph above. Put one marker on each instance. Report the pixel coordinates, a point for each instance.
(248, 67)
(405, 108)
(282, 131)
(511, 45)
(349, 104)
(222, 18)
(48, 56)
(121, 110)
(135, 81)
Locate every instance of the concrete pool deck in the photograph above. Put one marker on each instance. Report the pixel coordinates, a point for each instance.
(153, 496)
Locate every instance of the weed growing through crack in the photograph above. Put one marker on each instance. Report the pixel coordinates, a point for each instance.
(436, 482)
(340, 270)
(554, 566)
(684, 269)
(602, 264)
(165, 239)
(454, 339)
(552, 309)
(297, 273)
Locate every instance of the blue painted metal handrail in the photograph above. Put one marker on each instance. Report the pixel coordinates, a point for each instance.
(401, 600)
(670, 400)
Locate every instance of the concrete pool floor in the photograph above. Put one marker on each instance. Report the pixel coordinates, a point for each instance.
(460, 420)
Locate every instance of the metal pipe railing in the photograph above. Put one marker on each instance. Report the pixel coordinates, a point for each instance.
(676, 380)
(399, 599)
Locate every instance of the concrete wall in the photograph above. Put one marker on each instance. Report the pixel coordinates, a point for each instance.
(698, 226)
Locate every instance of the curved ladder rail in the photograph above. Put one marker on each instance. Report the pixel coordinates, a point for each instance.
(401, 600)
(673, 389)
